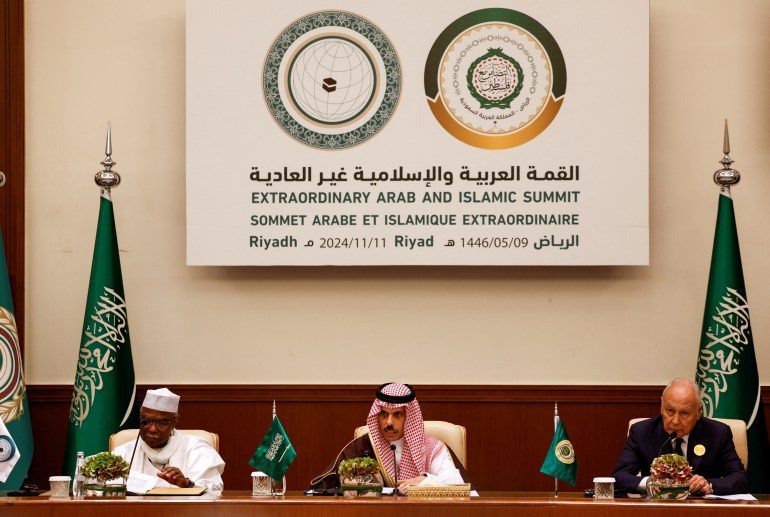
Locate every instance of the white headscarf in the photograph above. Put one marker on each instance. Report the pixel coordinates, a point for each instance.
(161, 457)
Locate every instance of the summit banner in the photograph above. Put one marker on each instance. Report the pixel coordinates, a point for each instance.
(427, 133)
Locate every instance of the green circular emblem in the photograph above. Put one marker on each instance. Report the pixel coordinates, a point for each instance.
(495, 78)
(332, 80)
(564, 452)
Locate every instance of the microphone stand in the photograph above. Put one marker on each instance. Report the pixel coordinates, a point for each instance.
(670, 437)
(395, 470)
(133, 453)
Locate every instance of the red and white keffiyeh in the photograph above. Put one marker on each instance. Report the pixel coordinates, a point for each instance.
(419, 449)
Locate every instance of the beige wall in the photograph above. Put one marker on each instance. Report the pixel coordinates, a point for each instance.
(90, 61)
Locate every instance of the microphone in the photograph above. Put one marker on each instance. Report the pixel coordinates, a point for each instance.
(669, 437)
(133, 453)
(395, 468)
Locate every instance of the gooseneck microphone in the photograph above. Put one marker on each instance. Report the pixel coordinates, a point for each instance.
(670, 437)
(395, 468)
(133, 453)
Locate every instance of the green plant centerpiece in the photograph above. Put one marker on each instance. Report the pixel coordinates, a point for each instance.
(105, 475)
(670, 477)
(360, 477)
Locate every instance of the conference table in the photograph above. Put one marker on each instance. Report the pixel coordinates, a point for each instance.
(236, 504)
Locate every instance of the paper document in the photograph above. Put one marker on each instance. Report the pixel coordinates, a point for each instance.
(196, 490)
(734, 497)
(139, 483)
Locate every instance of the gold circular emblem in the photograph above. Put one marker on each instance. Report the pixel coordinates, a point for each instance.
(564, 452)
(699, 450)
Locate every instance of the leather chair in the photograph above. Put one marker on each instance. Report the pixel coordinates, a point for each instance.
(451, 434)
(738, 427)
(129, 435)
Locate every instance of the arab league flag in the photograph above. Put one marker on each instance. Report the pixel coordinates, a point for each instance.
(560, 462)
(9, 453)
(104, 388)
(275, 454)
(727, 365)
(16, 432)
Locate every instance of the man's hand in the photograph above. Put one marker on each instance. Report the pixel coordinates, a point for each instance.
(174, 476)
(403, 484)
(699, 484)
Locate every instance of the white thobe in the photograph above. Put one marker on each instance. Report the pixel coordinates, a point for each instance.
(442, 469)
(197, 460)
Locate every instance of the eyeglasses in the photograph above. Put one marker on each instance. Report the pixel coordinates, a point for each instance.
(160, 424)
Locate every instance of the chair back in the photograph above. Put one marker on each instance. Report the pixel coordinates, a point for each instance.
(451, 434)
(738, 427)
(129, 435)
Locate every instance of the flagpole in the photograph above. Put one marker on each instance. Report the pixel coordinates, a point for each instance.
(555, 426)
(274, 413)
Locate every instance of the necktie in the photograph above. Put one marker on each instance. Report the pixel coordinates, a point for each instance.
(678, 446)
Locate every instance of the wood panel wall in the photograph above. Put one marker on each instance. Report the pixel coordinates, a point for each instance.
(509, 427)
(12, 150)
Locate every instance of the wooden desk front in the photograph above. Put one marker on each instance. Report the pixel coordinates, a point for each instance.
(239, 504)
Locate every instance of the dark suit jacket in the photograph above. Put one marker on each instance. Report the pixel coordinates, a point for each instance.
(720, 464)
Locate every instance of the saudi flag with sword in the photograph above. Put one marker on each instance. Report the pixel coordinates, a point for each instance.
(727, 365)
(104, 387)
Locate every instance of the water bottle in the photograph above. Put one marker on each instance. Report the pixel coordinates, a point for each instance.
(78, 480)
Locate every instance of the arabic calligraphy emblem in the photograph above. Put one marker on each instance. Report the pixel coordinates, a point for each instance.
(495, 78)
(727, 336)
(102, 340)
(332, 80)
(11, 378)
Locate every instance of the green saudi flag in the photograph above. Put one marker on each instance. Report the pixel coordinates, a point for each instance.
(14, 410)
(560, 461)
(727, 365)
(104, 388)
(275, 454)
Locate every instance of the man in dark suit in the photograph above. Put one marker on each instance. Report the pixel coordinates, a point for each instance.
(707, 445)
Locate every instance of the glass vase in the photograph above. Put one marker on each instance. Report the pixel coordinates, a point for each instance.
(103, 489)
(664, 489)
(369, 485)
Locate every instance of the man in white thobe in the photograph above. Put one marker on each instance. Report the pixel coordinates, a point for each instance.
(179, 459)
